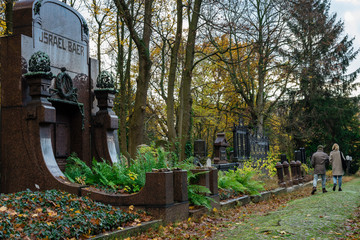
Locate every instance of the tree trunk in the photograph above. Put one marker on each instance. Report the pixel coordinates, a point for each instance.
(185, 98)
(9, 4)
(136, 133)
(170, 111)
(99, 48)
(123, 96)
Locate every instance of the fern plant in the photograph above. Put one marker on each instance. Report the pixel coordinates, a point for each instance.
(197, 193)
(240, 182)
(113, 177)
(117, 176)
(132, 178)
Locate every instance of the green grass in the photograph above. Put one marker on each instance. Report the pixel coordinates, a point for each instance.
(320, 216)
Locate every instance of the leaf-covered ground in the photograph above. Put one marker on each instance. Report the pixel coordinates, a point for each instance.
(296, 215)
(58, 215)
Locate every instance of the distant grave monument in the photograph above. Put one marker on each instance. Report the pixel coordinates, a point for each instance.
(51, 104)
(248, 145)
(220, 146)
(200, 148)
(241, 141)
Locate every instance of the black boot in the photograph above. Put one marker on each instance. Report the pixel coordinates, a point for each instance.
(340, 189)
(324, 190)
(334, 187)
(313, 191)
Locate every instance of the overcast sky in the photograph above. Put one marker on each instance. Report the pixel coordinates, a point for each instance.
(349, 12)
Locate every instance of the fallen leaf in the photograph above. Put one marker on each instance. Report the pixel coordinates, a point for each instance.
(3, 209)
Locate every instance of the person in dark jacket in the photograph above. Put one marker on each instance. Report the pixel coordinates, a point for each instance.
(318, 161)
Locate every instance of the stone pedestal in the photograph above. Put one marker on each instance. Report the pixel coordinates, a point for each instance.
(106, 144)
(294, 174)
(280, 174)
(213, 178)
(298, 169)
(287, 177)
(180, 185)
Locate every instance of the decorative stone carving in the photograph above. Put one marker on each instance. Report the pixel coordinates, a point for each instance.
(39, 64)
(85, 30)
(65, 89)
(64, 86)
(37, 7)
(105, 80)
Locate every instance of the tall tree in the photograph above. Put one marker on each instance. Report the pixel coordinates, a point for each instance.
(100, 11)
(136, 132)
(123, 73)
(320, 108)
(250, 34)
(170, 102)
(185, 108)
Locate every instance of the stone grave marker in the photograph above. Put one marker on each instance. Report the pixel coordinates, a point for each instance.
(48, 104)
(220, 146)
(200, 148)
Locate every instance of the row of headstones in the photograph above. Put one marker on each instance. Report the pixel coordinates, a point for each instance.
(289, 174)
(300, 155)
(258, 148)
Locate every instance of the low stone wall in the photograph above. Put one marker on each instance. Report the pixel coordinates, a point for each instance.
(164, 196)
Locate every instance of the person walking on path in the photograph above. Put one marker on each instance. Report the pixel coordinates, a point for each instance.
(318, 161)
(336, 161)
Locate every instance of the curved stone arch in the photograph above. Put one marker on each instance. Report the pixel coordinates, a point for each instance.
(38, 19)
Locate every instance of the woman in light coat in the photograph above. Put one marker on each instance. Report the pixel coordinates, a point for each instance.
(337, 168)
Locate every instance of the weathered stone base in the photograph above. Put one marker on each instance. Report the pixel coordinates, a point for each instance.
(262, 197)
(173, 213)
(129, 231)
(278, 191)
(235, 202)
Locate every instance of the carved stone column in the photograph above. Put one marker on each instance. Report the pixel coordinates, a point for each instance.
(298, 169)
(287, 174)
(106, 122)
(280, 174)
(294, 174)
(180, 185)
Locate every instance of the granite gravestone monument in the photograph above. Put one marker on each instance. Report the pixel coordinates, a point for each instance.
(220, 145)
(47, 112)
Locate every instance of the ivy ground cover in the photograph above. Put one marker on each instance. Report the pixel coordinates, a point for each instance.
(59, 215)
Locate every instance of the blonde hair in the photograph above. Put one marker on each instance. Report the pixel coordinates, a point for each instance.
(335, 146)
